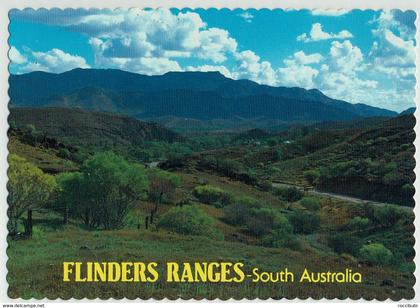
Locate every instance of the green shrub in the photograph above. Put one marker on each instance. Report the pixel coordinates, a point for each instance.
(311, 203)
(189, 219)
(212, 195)
(387, 215)
(64, 153)
(262, 221)
(344, 243)
(238, 212)
(277, 239)
(304, 222)
(289, 194)
(376, 254)
(357, 224)
(281, 235)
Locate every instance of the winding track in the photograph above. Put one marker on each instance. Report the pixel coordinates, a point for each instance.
(337, 196)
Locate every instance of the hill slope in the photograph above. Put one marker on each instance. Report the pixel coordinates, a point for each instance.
(195, 95)
(77, 126)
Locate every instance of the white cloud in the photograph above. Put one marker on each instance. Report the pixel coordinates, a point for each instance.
(297, 71)
(329, 12)
(250, 66)
(297, 76)
(339, 75)
(345, 57)
(16, 57)
(134, 39)
(247, 16)
(215, 43)
(300, 58)
(317, 34)
(210, 68)
(138, 33)
(54, 61)
(392, 56)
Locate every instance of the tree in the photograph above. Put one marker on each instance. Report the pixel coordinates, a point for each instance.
(29, 188)
(72, 196)
(107, 188)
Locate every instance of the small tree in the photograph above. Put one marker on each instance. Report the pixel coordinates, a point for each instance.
(162, 186)
(113, 186)
(29, 188)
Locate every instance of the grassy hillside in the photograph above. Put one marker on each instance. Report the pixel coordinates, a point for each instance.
(369, 163)
(53, 243)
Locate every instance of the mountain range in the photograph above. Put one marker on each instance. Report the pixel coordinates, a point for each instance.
(197, 96)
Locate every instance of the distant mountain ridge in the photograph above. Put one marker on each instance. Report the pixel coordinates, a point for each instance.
(194, 95)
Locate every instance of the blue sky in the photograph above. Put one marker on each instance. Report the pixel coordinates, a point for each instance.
(358, 56)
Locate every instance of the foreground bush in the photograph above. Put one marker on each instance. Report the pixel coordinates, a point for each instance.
(376, 254)
(190, 220)
(212, 195)
(289, 194)
(304, 222)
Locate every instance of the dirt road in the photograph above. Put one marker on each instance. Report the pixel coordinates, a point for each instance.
(336, 196)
